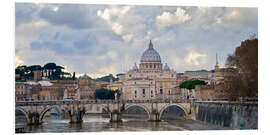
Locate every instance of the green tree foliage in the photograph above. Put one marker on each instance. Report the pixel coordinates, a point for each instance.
(104, 94)
(245, 59)
(190, 84)
(50, 71)
(73, 76)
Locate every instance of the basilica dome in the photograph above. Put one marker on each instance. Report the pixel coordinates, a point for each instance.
(150, 55)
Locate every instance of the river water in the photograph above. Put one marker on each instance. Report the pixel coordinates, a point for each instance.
(97, 123)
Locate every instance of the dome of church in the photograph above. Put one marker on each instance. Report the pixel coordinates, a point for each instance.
(85, 76)
(150, 54)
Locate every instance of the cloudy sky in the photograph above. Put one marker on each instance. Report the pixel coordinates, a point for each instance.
(103, 39)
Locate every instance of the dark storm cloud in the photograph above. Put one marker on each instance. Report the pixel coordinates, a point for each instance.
(24, 12)
(89, 45)
(85, 45)
(57, 47)
(75, 16)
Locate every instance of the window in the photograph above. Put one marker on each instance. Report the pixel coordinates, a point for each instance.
(135, 93)
(161, 91)
(143, 92)
(169, 92)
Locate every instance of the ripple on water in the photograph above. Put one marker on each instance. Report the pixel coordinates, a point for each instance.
(98, 124)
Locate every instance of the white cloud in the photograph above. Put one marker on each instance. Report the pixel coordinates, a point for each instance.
(18, 61)
(117, 28)
(35, 24)
(195, 58)
(178, 17)
(112, 55)
(127, 37)
(239, 18)
(55, 9)
(111, 69)
(148, 35)
(113, 17)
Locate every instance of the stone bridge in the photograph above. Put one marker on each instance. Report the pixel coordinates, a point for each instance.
(234, 114)
(36, 110)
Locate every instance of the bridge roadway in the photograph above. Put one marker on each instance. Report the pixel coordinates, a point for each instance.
(35, 110)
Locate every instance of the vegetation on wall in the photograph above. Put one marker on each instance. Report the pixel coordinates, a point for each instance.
(104, 94)
(190, 84)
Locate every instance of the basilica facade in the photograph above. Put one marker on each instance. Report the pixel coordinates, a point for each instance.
(151, 80)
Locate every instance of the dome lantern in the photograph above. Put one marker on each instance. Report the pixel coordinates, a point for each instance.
(150, 45)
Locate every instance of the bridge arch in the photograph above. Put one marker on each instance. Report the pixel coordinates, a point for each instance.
(140, 106)
(170, 105)
(106, 108)
(24, 112)
(42, 114)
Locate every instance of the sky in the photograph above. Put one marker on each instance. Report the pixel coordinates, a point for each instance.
(108, 39)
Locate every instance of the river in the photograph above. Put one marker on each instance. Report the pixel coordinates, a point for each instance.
(97, 123)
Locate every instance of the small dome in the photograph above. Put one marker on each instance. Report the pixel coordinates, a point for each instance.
(85, 76)
(135, 67)
(150, 54)
(166, 67)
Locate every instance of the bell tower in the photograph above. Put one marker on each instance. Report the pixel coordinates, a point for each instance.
(216, 66)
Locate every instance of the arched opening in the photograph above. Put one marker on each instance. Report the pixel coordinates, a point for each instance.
(173, 112)
(51, 114)
(135, 111)
(102, 115)
(20, 117)
(105, 113)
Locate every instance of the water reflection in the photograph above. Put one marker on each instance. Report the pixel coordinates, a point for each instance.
(97, 123)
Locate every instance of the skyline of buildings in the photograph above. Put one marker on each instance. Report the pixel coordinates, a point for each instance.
(151, 80)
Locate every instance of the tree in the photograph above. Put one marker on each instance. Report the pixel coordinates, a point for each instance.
(73, 76)
(245, 59)
(56, 74)
(104, 94)
(49, 70)
(49, 67)
(190, 84)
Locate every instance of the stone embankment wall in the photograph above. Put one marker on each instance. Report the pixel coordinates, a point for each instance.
(235, 115)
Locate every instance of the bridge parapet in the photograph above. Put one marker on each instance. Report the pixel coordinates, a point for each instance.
(228, 102)
(60, 102)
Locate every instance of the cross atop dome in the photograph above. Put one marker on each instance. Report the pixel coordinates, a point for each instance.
(150, 45)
